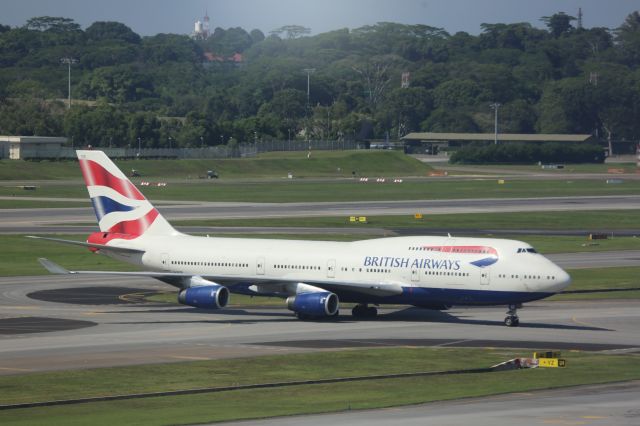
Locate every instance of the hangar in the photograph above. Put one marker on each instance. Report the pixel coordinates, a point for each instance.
(23, 147)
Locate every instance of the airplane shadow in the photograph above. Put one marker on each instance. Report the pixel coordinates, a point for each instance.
(411, 314)
(417, 314)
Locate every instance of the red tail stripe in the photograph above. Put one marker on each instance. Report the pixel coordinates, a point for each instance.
(136, 226)
(95, 174)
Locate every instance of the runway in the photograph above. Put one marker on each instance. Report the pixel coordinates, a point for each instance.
(119, 330)
(11, 218)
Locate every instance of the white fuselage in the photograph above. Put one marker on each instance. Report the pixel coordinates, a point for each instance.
(439, 270)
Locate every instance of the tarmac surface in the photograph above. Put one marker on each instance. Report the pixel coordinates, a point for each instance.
(102, 321)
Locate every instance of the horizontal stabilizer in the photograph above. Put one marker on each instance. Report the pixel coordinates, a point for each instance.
(53, 267)
(90, 245)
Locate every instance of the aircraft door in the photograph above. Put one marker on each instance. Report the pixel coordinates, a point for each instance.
(485, 276)
(260, 266)
(415, 275)
(331, 268)
(166, 263)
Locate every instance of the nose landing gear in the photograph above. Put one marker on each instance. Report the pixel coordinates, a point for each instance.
(512, 319)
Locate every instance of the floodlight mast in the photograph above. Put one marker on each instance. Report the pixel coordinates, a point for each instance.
(309, 71)
(495, 106)
(69, 61)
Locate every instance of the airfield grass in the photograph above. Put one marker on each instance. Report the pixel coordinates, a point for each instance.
(602, 283)
(583, 368)
(274, 164)
(534, 168)
(19, 256)
(301, 190)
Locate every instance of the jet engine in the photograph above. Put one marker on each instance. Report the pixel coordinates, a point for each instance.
(212, 296)
(317, 304)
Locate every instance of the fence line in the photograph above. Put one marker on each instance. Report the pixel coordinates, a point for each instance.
(221, 151)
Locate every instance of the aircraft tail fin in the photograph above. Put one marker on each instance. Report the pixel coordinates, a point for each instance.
(119, 206)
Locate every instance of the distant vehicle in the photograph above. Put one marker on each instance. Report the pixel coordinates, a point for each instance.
(380, 146)
(135, 173)
(314, 276)
(212, 174)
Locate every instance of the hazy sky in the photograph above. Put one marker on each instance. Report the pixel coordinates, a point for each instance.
(148, 17)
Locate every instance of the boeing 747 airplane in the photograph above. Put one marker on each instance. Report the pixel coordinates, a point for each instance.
(313, 276)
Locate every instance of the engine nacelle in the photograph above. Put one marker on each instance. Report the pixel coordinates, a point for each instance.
(317, 304)
(205, 297)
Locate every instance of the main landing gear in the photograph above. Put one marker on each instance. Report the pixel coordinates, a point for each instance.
(512, 319)
(364, 311)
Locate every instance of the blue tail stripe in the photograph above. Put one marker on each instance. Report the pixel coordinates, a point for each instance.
(105, 205)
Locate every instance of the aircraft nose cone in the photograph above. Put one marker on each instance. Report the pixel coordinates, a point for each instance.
(562, 280)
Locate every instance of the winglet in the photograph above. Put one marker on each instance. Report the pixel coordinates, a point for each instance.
(53, 267)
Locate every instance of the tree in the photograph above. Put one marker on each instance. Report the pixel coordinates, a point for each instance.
(52, 24)
(256, 36)
(559, 23)
(291, 31)
(375, 78)
(144, 125)
(125, 83)
(163, 48)
(456, 92)
(29, 117)
(446, 120)
(628, 38)
(101, 126)
(407, 108)
(111, 31)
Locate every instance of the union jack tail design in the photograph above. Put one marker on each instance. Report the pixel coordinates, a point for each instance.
(120, 208)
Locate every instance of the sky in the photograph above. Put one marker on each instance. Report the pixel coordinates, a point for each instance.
(149, 17)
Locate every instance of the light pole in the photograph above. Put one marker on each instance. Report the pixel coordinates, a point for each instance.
(169, 142)
(201, 142)
(139, 146)
(309, 71)
(495, 106)
(69, 61)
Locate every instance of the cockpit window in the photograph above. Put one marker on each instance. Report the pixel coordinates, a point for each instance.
(531, 250)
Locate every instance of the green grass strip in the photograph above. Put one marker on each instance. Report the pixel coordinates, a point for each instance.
(276, 164)
(582, 369)
(299, 190)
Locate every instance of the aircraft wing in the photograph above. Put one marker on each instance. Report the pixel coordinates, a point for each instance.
(115, 249)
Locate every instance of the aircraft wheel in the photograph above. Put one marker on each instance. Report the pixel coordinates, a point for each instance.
(358, 311)
(512, 321)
